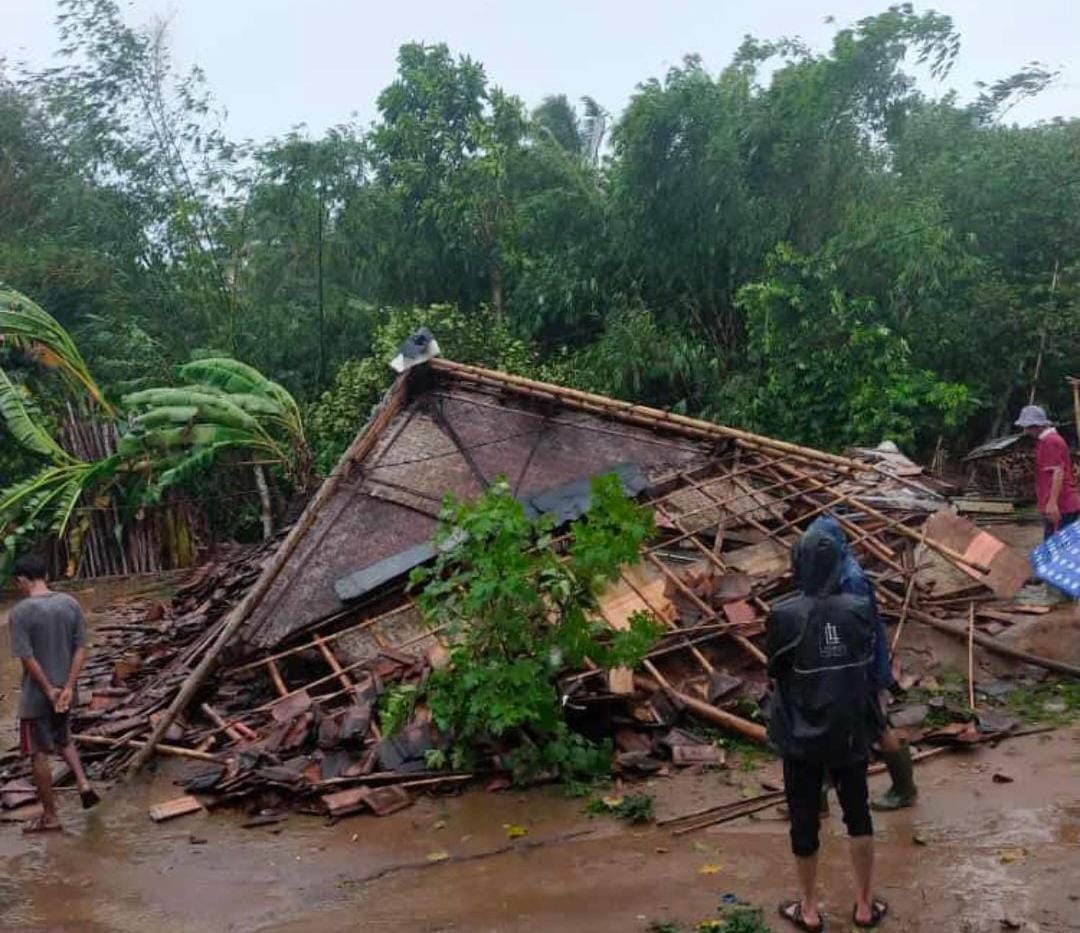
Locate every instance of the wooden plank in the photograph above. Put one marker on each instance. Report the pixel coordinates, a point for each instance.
(1008, 570)
(984, 506)
(178, 806)
(640, 589)
(621, 681)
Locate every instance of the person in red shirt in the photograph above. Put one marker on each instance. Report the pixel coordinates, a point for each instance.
(1055, 482)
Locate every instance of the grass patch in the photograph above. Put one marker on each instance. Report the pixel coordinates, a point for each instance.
(739, 918)
(747, 756)
(1030, 703)
(742, 754)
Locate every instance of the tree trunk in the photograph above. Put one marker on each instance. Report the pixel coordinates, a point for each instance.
(322, 309)
(497, 290)
(266, 510)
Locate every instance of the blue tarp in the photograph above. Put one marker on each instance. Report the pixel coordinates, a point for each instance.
(1057, 560)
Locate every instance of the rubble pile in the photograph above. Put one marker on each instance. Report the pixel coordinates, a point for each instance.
(295, 713)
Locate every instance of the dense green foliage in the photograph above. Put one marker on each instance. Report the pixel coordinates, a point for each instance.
(165, 436)
(516, 615)
(804, 243)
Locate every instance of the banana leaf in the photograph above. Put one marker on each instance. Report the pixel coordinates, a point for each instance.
(20, 419)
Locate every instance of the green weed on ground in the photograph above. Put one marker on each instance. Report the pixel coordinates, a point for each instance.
(633, 808)
(1055, 704)
(742, 754)
(737, 919)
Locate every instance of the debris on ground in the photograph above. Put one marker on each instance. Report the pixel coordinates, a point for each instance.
(303, 708)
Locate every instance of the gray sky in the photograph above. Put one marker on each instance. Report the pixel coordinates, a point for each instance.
(277, 63)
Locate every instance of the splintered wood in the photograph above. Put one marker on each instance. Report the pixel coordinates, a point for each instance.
(318, 703)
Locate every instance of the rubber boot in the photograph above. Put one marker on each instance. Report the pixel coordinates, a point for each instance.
(903, 792)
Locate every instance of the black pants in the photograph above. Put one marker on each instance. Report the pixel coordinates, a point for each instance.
(802, 786)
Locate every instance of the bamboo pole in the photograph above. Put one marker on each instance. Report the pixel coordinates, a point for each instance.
(901, 528)
(335, 665)
(711, 556)
(909, 590)
(1075, 383)
(363, 443)
(995, 646)
(971, 656)
(880, 550)
(653, 415)
(333, 636)
(711, 613)
(174, 750)
(701, 709)
(694, 650)
(711, 816)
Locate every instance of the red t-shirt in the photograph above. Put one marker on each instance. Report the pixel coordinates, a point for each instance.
(1051, 451)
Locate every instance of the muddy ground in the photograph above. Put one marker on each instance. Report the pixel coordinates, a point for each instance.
(974, 852)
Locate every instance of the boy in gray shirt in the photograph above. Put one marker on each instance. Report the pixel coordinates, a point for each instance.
(48, 634)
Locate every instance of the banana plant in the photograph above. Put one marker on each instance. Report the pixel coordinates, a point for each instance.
(168, 435)
(26, 325)
(228, 405)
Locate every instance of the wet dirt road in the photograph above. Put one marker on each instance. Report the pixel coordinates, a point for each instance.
(985, 850)
(973, 852)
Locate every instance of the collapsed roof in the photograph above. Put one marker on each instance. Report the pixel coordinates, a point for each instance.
(449, 429)
(326, 620)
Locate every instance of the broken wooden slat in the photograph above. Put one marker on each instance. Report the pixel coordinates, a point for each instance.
(178, 806)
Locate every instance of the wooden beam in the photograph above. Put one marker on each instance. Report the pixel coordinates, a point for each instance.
(335, 665)
(357, 450)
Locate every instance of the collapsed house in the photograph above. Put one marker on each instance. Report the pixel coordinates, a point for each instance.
(298, 639)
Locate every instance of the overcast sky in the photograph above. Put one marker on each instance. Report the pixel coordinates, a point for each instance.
(277, 63)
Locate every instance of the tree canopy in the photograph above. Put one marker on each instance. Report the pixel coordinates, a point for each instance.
(808, 243)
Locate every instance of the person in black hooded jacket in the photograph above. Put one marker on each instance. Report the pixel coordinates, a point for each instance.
(823, 717)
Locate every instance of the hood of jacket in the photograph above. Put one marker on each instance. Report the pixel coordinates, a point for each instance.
(817, 560)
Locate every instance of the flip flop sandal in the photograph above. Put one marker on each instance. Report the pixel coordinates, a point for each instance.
(791, 911)
(89, 799)
(879, 907)
(38, 825)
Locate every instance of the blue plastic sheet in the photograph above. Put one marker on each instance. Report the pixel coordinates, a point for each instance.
(1057, 560)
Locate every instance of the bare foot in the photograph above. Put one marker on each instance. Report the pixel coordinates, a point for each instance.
(42, 824)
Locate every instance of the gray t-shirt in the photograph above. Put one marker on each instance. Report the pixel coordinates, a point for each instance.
(47, 628)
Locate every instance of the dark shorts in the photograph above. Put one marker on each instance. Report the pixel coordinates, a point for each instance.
(802, 786)
(1067, 519)
(46, 734)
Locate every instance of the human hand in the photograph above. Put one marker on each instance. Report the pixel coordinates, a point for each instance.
(53, 693)
(62, 703)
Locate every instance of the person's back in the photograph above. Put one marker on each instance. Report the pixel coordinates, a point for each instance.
(48, 636)
(49, 628)
(820, 646)
(822, 717)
